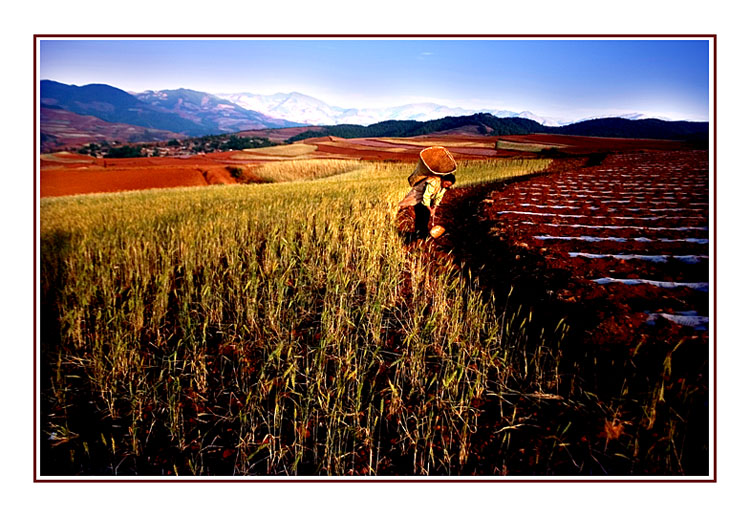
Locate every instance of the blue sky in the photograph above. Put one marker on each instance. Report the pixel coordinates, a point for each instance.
(557, 78)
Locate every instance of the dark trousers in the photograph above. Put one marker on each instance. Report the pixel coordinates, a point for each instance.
(421, 221)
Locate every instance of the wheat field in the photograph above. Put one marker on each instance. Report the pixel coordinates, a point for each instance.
(269, 329)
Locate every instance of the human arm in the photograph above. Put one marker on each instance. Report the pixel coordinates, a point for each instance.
(433, 193)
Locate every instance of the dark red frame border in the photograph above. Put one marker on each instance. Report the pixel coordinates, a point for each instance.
(712, 37)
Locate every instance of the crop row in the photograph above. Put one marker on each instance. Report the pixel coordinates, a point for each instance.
(631, 221)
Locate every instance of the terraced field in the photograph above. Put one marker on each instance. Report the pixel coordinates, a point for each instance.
(633, 230)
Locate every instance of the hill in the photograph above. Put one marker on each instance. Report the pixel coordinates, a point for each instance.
(180, 111)
(617, 127)
(62, 129)
(484, 124)
(487, 124)
(210, 111)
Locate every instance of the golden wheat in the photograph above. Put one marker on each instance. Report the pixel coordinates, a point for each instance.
(268, 329)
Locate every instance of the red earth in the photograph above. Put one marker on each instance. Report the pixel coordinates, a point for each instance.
(634, 220)
(63, 174)
(588, 144)
(617, 246)
(627, 239)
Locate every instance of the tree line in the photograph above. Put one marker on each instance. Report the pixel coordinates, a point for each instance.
(194, 145)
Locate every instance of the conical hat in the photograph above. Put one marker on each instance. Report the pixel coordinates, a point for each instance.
(433, 161)
(438, 160)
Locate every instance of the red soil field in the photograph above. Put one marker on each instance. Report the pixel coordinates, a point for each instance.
(612, 249)
(69, 182)
(632, 232)
(588, 144)
(63, 174)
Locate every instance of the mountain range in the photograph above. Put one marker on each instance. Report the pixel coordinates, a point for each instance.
(311, 111)
(182, 111)
(99, 112)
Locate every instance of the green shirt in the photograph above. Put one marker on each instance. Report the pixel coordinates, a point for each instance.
(433, 193)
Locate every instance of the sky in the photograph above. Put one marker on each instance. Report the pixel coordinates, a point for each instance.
(559, 78)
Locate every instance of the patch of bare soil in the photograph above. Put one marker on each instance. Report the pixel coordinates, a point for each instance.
(62, 182)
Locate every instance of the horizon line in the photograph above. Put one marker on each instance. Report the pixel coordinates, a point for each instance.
(562, 121)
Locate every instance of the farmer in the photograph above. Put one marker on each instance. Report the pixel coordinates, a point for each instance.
(430, 181)
(426, 196)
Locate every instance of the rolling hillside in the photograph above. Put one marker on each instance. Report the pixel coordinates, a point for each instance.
(486, 124)
(180, 111)
(64, 129)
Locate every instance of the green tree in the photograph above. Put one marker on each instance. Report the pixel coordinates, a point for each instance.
(125, 151)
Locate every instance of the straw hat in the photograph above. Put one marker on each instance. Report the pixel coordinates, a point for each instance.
(433, 161)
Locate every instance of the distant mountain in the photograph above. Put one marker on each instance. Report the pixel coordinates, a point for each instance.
(309, 110)
(181, 111)
(294, 106)
(628, 116)
(545, 121)
(209, 111)
(112, 105)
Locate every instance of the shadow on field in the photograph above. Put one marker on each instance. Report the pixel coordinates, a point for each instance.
(55, 412)
(516, 276)
(69, 415)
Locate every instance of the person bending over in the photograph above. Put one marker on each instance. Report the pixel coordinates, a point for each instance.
(426, 197)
